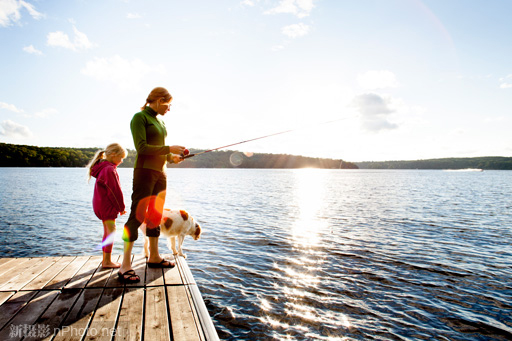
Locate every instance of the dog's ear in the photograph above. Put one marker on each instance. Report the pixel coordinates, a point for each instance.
(197, 235)
(184, 215)
(168, 222)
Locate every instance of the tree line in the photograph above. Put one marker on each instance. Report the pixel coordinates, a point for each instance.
(231, 159)
(12, 155)
(486, 163)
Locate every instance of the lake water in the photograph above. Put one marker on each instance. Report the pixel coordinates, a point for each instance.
(309, 254)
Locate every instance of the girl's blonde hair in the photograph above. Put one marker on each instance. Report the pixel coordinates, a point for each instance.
(113, 148)
(155, 95)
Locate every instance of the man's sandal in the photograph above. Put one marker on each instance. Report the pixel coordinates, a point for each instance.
(128, 277)
(163, 264)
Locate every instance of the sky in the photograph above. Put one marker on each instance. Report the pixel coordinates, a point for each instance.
(366, 80)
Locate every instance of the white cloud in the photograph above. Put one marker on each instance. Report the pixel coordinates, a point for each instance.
(41, 114)
(59, 38)
(13, 129)
(374, 110)
(10, 11)
(46, 112)
(495, 119)
(300, 8)
(123, 72)
(247, 3)
(31, 9)
(505, 82)
(10, 107)
(296, 30)
(31, 49)
(133, 16)
(277, 48)
(457, 132)
(81, 40)
(382, 79)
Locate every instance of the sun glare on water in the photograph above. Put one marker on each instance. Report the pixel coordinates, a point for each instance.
(300, 275)
(309, 200)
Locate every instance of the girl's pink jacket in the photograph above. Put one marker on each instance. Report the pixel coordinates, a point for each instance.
(107, 201)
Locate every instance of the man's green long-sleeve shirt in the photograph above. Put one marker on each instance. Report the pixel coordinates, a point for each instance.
(149, 135)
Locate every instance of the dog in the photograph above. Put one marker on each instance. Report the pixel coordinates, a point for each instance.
(175, 223)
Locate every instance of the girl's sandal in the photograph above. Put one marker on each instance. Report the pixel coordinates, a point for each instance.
(128, 277)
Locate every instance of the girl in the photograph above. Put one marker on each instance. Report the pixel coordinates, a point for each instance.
(108, 200)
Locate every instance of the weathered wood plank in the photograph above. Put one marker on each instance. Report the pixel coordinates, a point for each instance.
(201, 325)
(102, 276)
(82, 277)
(23, 324)
(5, 260)
(172, 276)
(63, 277)
(184, 322)
(78, 318)
(15, 269)
(185, 273)
(13, 305)
(4, 296)
(156, 326)
(37, 266)
(129, 326)
(154, 277)
(206, 323)
(14, 263)
(54, 315)
(46, 276)
(103, 322)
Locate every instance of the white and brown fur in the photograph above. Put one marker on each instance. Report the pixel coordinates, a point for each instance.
(175, 223)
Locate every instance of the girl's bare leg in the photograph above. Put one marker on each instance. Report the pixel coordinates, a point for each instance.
(110, 228)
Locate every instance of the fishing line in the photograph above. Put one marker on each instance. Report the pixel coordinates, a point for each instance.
(264, 137)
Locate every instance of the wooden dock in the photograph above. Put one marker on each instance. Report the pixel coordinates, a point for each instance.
(73, 298)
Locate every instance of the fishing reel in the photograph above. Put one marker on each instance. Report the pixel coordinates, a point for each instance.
(186, 154)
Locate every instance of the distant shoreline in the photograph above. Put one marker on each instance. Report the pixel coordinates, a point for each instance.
(483, 163)
(30, 156)
(12, 155)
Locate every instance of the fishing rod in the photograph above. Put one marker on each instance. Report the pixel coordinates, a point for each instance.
(187, 154)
